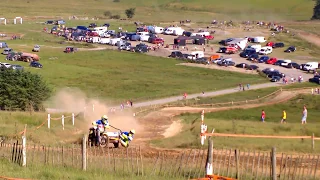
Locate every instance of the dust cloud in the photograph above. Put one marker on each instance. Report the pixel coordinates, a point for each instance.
(72, 100)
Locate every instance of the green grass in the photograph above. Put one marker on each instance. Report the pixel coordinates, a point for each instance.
(247, 121)
(310, 27)
(119, 75)
(55, 172)
(165, 10)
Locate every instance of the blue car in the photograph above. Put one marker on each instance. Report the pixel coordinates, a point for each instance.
(263, 59)
(35, 64)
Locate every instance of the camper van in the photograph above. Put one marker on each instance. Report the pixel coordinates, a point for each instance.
(259, 39)
(196, 55)
(104, 40)
(311, 66)
(100, 30)
(114, 41)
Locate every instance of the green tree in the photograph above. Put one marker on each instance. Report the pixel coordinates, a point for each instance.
(23, 90)
(130, 12)
(316, 10)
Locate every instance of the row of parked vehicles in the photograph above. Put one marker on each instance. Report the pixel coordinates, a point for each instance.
(4, 66)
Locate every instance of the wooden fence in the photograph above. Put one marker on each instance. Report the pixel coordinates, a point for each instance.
(182, 164)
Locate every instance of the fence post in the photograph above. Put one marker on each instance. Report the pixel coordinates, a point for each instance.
(84, 153)
(92, 107)
(237, 163)
(274, 164)
(209, 167)
(62, 120)
(72, 119)
(24, 149)
(312, 141)
(48, 121)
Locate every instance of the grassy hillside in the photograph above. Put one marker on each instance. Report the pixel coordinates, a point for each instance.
(165, 10)
(247, 121)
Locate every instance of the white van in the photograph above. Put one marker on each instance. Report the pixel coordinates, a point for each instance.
(196, 55)
(311, 66)
(170, 30)
(178, 32)
(202, 34)
(100, 30)
(158, 30)
(96, 39)
(259, 39)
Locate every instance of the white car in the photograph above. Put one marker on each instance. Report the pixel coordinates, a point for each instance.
(6, 65)
(144, 38)
(265, 50)
(285, 62)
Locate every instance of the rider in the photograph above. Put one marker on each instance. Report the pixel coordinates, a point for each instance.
(103, 122)
(126, 137)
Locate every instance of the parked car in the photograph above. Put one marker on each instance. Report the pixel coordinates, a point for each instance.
(6, 51)
(5, 65)
(275, 73)
(227, 63)
(279, 62)
(263, 59)
(293, 65)
(315, 79)
(285, 62)
(268, 70)
(17, 67)
(253, 57)
(291, 49)
(175, 54)
(222, 50)
(278, 45)
(253, 67)
(35, 64)
(302, 66)
(275, 78)
(265, 50)
(202, 60)
(271, 61)
(49, 22)
(247, 52)
(224, 42)
(36, 48)
(92, 25)
(242, 65)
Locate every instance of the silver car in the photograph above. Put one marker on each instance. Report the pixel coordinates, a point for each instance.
(6, 51)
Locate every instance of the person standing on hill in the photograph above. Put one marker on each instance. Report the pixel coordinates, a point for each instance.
(263, 115)
(304, 115)
(284, 117)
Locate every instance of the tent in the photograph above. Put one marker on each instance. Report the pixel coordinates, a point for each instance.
(183, 40)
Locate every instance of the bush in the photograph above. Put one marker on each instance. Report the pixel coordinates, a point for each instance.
(107, 14)
(22, 90)
(117, 16)
(130, 12)
(116, 0)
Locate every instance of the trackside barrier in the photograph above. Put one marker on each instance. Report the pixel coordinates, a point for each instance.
(62, 120)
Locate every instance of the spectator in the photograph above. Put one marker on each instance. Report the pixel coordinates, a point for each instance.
(131, 103)
(263, 115)
(248, 86)
(304, 115)
(284, 117)
(312, 91)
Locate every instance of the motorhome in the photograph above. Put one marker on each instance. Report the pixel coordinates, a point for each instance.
(311, 66)
(259, 39)
(196, 55)
(104, 40)
(114, 41)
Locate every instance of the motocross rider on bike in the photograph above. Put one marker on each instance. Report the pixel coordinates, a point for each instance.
(97, 125)
(126, 137)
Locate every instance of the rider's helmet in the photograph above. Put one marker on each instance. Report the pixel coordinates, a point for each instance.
(132, 131)
(104, 119)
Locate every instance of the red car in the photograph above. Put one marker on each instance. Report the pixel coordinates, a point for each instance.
(270, 44)
(95, 34)
(158, 41)
(209, 37)
(271, 61)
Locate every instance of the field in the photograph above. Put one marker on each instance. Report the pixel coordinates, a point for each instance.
(247, 121)
(167, 10)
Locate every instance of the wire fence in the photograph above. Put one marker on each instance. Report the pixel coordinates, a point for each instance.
(183, 164)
